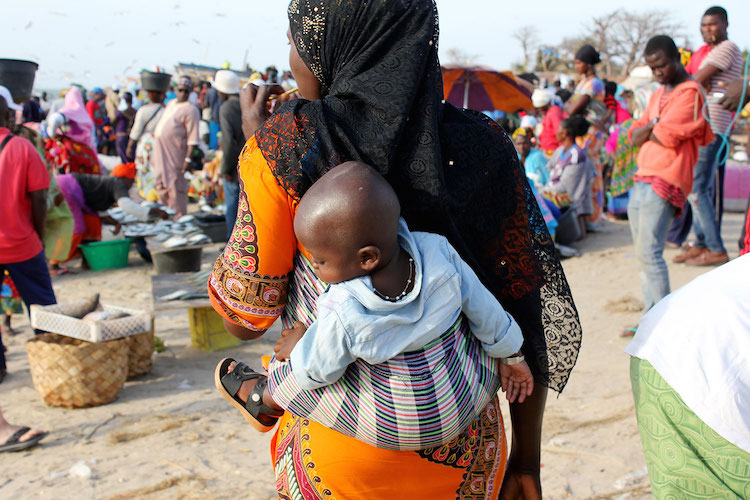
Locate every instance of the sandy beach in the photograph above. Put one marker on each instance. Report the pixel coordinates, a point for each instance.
(170, 435)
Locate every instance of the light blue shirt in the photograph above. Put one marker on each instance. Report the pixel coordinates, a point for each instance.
(536, 168)
(354, 323)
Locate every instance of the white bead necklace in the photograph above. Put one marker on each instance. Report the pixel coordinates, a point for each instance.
(406, 288)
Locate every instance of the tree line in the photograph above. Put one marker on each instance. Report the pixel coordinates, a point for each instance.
(620, 37)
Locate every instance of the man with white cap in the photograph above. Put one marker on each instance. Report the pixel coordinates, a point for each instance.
(543, 101)
(227, 83)
(23, 202)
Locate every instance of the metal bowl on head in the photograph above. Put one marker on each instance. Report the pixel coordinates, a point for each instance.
(18, 76)
(155, 82)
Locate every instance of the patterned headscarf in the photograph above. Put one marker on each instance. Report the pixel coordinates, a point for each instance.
(74, 111)
(455, 171)
(185, 81)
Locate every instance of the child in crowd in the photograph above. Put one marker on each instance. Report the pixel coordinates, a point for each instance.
(398, 312)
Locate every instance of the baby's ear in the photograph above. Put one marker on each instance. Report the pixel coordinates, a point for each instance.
(369, 258)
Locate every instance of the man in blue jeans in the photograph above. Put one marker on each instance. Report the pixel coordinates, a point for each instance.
(721, 64)
(23, 202)
(668, 134)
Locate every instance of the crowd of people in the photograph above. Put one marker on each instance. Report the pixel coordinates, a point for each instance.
(366, 215)
(598, 170)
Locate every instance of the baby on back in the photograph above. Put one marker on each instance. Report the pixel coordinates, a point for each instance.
(404, 351)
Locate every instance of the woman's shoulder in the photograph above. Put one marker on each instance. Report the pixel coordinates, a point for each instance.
(251, 157)
(578, 154)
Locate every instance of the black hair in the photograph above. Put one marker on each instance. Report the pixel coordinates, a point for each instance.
(719, 12)
(575, 125)
(662, 43)
(128, 97)
(610, 87)
(589, 55)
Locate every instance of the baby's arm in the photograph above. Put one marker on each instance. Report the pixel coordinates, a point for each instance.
(322, 355)
(499, 333)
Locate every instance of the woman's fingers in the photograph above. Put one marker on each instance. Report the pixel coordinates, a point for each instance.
(247, 97)
(261, 97)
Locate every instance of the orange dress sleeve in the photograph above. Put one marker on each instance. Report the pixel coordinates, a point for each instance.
(248, 285)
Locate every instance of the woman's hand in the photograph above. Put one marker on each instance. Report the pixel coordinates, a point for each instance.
(288, 340)
(130, 150)
(107, 219)
(254, 105)
(158, 212)
(521, 485)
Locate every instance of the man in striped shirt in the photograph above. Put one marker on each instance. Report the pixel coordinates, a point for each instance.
(722, 63)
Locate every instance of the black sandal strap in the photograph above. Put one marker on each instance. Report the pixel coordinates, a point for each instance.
(255, 403)
(234, 379)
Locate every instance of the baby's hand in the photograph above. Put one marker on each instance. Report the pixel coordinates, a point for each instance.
(517, 381)
(288, 340)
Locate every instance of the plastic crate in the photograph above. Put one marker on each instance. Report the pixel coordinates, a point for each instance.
(736, 186)
(59, 318)
(102, 255)
(207, 330)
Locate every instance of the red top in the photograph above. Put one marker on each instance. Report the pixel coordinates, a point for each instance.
(92, 107)
(681, 129)
(547, 139)
(21, 172)
(697, 58)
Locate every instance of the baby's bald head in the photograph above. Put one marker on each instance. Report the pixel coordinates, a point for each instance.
(352, 206)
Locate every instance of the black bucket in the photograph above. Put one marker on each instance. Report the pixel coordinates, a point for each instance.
(18, 77)
(568, 229)
(217, 231)
(155, 82)
(178, 260)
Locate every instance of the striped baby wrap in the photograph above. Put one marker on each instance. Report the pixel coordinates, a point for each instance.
(419, 399)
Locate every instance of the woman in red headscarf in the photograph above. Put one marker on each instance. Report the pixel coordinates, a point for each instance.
(69, 146)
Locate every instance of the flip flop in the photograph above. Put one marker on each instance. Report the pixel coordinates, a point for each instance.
(13, 443)
(228, 383)
(61, 271)
(628, 332)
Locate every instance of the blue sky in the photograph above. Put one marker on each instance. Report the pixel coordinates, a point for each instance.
(96, 43)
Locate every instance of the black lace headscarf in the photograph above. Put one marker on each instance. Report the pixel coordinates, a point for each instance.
(455, 172)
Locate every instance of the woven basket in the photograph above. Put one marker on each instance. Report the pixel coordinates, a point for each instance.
(74, 373)
(140, 351)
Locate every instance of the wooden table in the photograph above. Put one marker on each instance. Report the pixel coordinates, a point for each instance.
(207, 330)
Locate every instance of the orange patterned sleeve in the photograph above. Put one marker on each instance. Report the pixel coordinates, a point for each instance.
(248, 285)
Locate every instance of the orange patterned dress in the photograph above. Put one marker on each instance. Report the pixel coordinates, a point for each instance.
(259, 277)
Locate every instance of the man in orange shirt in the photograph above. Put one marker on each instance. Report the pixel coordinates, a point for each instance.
(23, 203)
(669, 134)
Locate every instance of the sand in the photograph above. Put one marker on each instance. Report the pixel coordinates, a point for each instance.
(170, 435)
